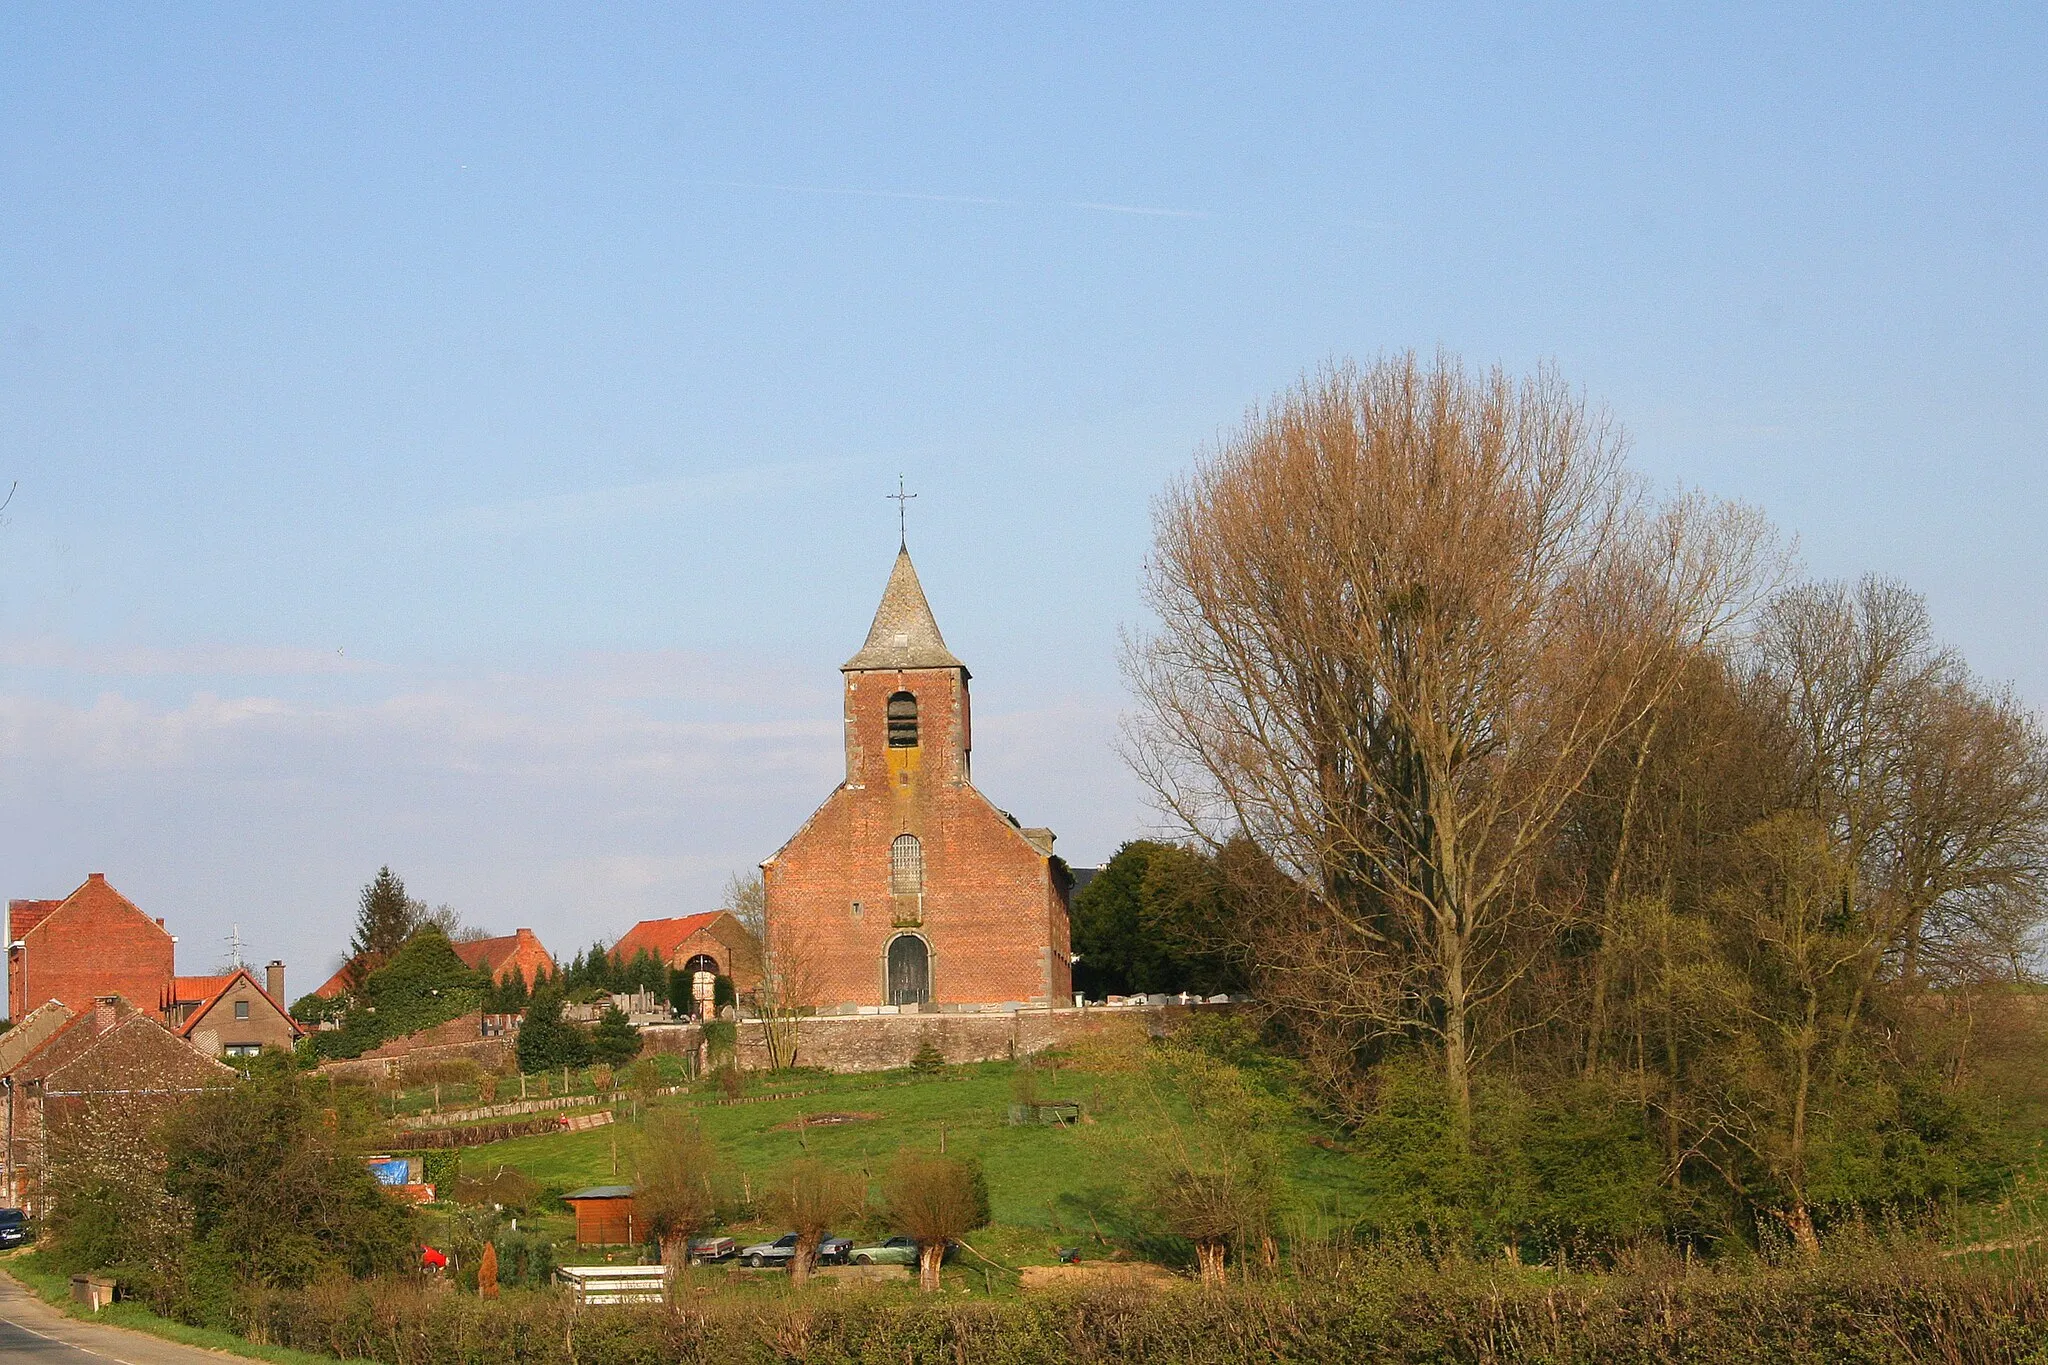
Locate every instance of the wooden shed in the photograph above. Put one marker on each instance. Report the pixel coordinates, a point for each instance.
(604, 1216)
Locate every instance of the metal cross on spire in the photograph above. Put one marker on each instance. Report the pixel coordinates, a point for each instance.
(902, 501)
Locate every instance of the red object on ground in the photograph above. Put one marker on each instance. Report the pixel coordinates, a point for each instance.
(433, 1260)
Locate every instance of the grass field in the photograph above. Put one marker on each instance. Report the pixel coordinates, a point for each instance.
(1044, 1180)
(1050, 1186)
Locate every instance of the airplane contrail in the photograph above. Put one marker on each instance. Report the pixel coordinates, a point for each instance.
(1093, 206)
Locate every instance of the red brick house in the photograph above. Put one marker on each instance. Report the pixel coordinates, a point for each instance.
(519, 951)
(231, 1016)
(95, 1079)
(714, 942)
(908, 887)
(92, 943)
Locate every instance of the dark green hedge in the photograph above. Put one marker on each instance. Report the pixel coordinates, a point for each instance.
(1883, 1313)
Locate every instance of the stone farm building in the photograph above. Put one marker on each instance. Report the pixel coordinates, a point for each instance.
(908, 888)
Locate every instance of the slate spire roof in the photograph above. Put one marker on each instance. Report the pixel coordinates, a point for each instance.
(904, 634)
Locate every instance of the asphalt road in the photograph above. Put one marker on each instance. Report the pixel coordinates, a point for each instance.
(34, 1333)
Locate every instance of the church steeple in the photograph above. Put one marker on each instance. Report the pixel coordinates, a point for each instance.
(904, 634)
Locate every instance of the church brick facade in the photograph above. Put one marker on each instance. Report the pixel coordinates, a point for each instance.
(908, 887)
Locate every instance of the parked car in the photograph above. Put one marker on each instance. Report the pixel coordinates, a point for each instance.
(13, 1227)
(899, 1251)
(895, 1251)
(781, 1251)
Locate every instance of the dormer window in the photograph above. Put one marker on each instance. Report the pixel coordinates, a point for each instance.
(902, 721)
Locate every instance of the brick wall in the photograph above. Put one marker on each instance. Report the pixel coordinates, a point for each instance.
(993, 909)
(492, 1054)
(97, 942)
(885, 1042)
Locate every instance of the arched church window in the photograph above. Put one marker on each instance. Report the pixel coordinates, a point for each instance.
(906, 866)
(903, 721)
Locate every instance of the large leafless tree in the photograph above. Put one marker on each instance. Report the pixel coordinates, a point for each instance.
(1401, 614)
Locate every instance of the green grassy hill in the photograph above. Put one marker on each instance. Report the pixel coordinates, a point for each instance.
(1045, 1181)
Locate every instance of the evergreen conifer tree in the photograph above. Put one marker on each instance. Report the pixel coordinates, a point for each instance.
(386, 919)
(546, 1040)
(615, 1041)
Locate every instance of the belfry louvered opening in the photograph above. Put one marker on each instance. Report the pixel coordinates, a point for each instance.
(906, 866)
(902, 721)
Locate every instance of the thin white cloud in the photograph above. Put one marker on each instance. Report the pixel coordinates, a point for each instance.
(201, 660)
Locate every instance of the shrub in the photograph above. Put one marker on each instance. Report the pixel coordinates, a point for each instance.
(927, 1060)
(507, 1187)
(721, 1039)
(1384, 1309)
(425, 983)
(276, 1199)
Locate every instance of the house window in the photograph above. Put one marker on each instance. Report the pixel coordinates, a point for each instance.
(906, 866)
(903, 721)
(243, 1049)
(241, 1009)
(856, 909)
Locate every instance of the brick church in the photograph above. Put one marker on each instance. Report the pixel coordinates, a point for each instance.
(908, 888)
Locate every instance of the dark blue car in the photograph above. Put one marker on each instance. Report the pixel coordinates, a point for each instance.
(13, 1227)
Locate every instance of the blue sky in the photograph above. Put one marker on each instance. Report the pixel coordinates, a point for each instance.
(460, 439)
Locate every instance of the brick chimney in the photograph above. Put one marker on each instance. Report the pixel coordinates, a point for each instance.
(103, 1015)
(273, 981)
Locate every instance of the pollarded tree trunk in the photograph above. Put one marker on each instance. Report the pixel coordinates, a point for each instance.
(1209, 1259)
(1798, 1220)
(930, 1256)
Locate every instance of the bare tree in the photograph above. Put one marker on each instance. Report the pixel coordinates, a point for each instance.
(1934, 791)
(935, 1200)
(1402, 614)
(747, 897)
(788, 993)
(811, 1197)
(673, 1193)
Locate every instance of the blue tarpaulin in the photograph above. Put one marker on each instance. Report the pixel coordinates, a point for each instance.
(396, 1172)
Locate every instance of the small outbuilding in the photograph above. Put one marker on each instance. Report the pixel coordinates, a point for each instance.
(604, 1216)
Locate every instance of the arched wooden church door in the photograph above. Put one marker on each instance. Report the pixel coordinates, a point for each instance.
(910, 971)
